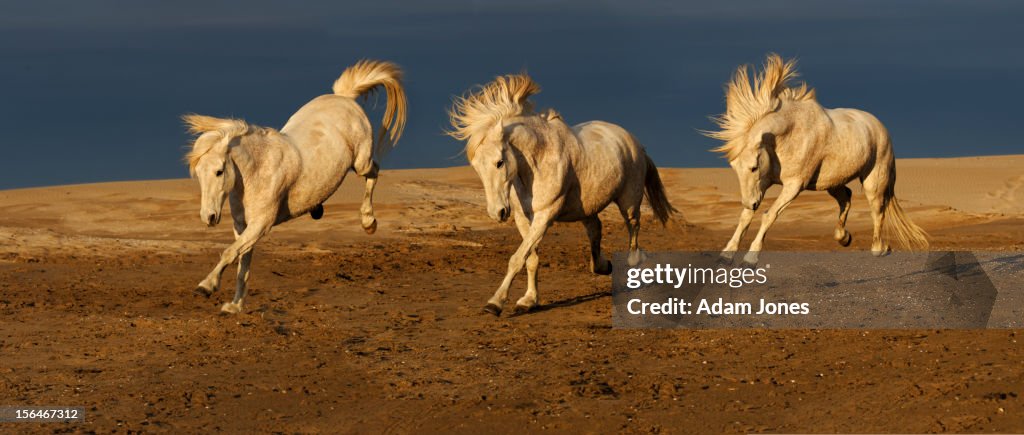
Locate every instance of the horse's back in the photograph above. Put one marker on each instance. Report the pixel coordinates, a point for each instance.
(611, 160)
(859, 143)
(601, 139)
(333, 115)
(858, 125)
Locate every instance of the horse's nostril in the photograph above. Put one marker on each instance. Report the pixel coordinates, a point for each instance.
(211, 218)
(504, 213)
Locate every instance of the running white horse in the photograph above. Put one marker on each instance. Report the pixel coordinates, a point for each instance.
(538, 170)
(270, 176)
(777, 134)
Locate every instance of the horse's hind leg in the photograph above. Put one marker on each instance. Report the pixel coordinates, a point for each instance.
(631, 214)
(598, 264)
(842, 196)
(367, 218)
(875, 185)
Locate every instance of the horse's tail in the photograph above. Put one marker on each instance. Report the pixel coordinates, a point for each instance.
(899, 226)
(362, 79)
(656, 193)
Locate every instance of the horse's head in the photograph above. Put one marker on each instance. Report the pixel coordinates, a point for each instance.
(490, 120)
(494, 162)
(216, 176)
(755, 119)
(753, 167)
(210, 161)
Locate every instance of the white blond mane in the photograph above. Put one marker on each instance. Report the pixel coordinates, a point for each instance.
(504, 97)
(746, 102)
(200, 124)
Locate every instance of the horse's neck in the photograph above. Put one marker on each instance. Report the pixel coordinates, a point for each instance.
(817, 128)
(533, 154)
(244, 163)
(570, 146)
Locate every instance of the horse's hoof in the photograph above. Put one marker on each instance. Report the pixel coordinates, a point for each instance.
(492, 309)
(750, 260)
(231, 308)
(636, 257)
(606, 270)
(881, 252)
(522, 309)
(846, 240)
(317, 212)
(203, 291)
(372, 228)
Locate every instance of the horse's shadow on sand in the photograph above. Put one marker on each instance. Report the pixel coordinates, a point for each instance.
(576, 300)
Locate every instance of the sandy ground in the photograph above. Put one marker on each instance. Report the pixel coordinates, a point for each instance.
(345, 332)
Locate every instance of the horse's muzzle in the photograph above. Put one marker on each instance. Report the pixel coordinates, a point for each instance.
(212, 219)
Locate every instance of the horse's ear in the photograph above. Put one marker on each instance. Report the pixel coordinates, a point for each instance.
(552, 114)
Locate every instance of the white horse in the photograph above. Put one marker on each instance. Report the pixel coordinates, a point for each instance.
(538, 170)
(777, 134)
(270, 176)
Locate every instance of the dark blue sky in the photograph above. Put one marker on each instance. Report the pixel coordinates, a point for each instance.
(92, 91)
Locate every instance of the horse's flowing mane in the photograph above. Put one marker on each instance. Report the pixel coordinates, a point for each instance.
(200, 124)
(746, 102)
(506, 96)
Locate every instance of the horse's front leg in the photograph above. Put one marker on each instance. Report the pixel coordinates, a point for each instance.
(789, 193)
(530, 299)
(235, 306)
(367, 218)
(539, 225)
(242, 245)
(741, 228)
(242, 278)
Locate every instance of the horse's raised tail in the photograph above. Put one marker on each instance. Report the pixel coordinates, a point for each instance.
(656, 193)
(361, 79)
(899, 226)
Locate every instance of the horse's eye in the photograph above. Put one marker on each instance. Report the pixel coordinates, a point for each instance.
(754, 169)
(500, 164)
(220, 172)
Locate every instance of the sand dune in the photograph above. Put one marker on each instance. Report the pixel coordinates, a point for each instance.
(940, 194)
